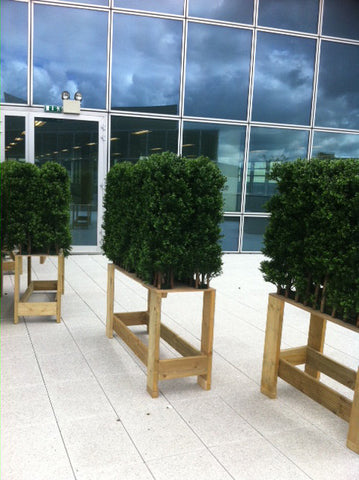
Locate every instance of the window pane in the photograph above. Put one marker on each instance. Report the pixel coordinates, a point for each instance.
(74, 145)
(88, 2)
(268, 146)
(13, 51)
(338, 88)
(240, 11)
(230, 232)
(161, 6)
(253, 232)
(289, 14)
(133, 138)
(146, 64)
(335, 145)
(217, 73)
(341, 19)
(70, 57)
(283, 79)
(15, 138)
(224, 144)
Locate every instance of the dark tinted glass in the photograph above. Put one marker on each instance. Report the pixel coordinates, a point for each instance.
(253, 231)
(289, 14)
(13, 51)
(146, 64)
(230, 232)
(283, 79)
(224, 144)
(341, 18)
(231, 10)
(133, 138)
(338, 87)
(217, 73)
(268, 146)
(161, 6)
(70, 57)
(15, 138)
(335, 145)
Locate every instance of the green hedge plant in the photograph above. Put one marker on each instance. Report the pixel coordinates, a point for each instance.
(35, 208)
(312, 239)
(162, 218)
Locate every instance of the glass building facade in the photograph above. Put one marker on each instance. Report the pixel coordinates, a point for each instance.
(244, 82)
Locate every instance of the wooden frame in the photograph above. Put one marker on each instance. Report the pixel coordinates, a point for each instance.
(282, 363)
(7, 265)
(22, 306)
(193, 361)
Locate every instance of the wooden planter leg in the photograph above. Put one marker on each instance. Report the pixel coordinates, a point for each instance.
(110, 299)
(18, 259)
(353, 434)
(272, 343)
(316, 337)
(29, 278)
(154, 342)
(60, 279)
(207, 336)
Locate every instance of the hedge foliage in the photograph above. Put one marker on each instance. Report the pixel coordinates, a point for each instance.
(312, 239)
(35, 208)
(162, 219)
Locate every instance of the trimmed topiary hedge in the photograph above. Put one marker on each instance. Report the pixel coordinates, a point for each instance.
(312, 239)
(35, 211)
(162, 219)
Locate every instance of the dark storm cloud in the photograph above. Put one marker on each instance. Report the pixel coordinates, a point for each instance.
(146, 61)
(228, 10)
(338, 95)
(72, 57)
(217, 72)
(283, 79)
(289, 14)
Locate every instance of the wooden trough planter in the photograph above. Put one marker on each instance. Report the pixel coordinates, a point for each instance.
(282, 363)
(22, 305)
(192, 363)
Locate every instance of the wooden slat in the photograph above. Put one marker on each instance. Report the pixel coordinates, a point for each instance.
(44, 285)
(272, 343)
(316, 312)
(133, 318)
(182, 367)
(316, 337)
(18, 262)
(207, 333)
(8, 265)
(28, 292)
(353, 433)
(154, 325)
(295, 356)
(333, 369)
(110, 299)
(312, 387)
(130, 339)
(37, 308)
(178, 343)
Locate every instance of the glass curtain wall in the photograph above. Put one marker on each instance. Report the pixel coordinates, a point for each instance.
(246, 83)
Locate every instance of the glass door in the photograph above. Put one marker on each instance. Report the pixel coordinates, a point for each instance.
(74, 144)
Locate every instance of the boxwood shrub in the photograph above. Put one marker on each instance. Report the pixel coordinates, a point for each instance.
(312, 239)
(162, 219)
(35, 209)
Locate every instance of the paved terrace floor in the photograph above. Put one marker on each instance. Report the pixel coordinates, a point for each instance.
(75, 406)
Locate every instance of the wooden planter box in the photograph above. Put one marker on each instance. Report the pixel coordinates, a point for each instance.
(192, 362)
(282, 363)
(22, 305)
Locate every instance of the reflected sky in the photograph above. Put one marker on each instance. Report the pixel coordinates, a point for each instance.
(339, 145)
(283, 79)
(217, 72)
(341, 19)
(289, 14)
(240, 11)
(70, 57)
(14, 51)
(338, 92)
(161, 6)
(146, 62)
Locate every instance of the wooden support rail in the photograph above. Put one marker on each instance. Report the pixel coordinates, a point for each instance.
(193, 362)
